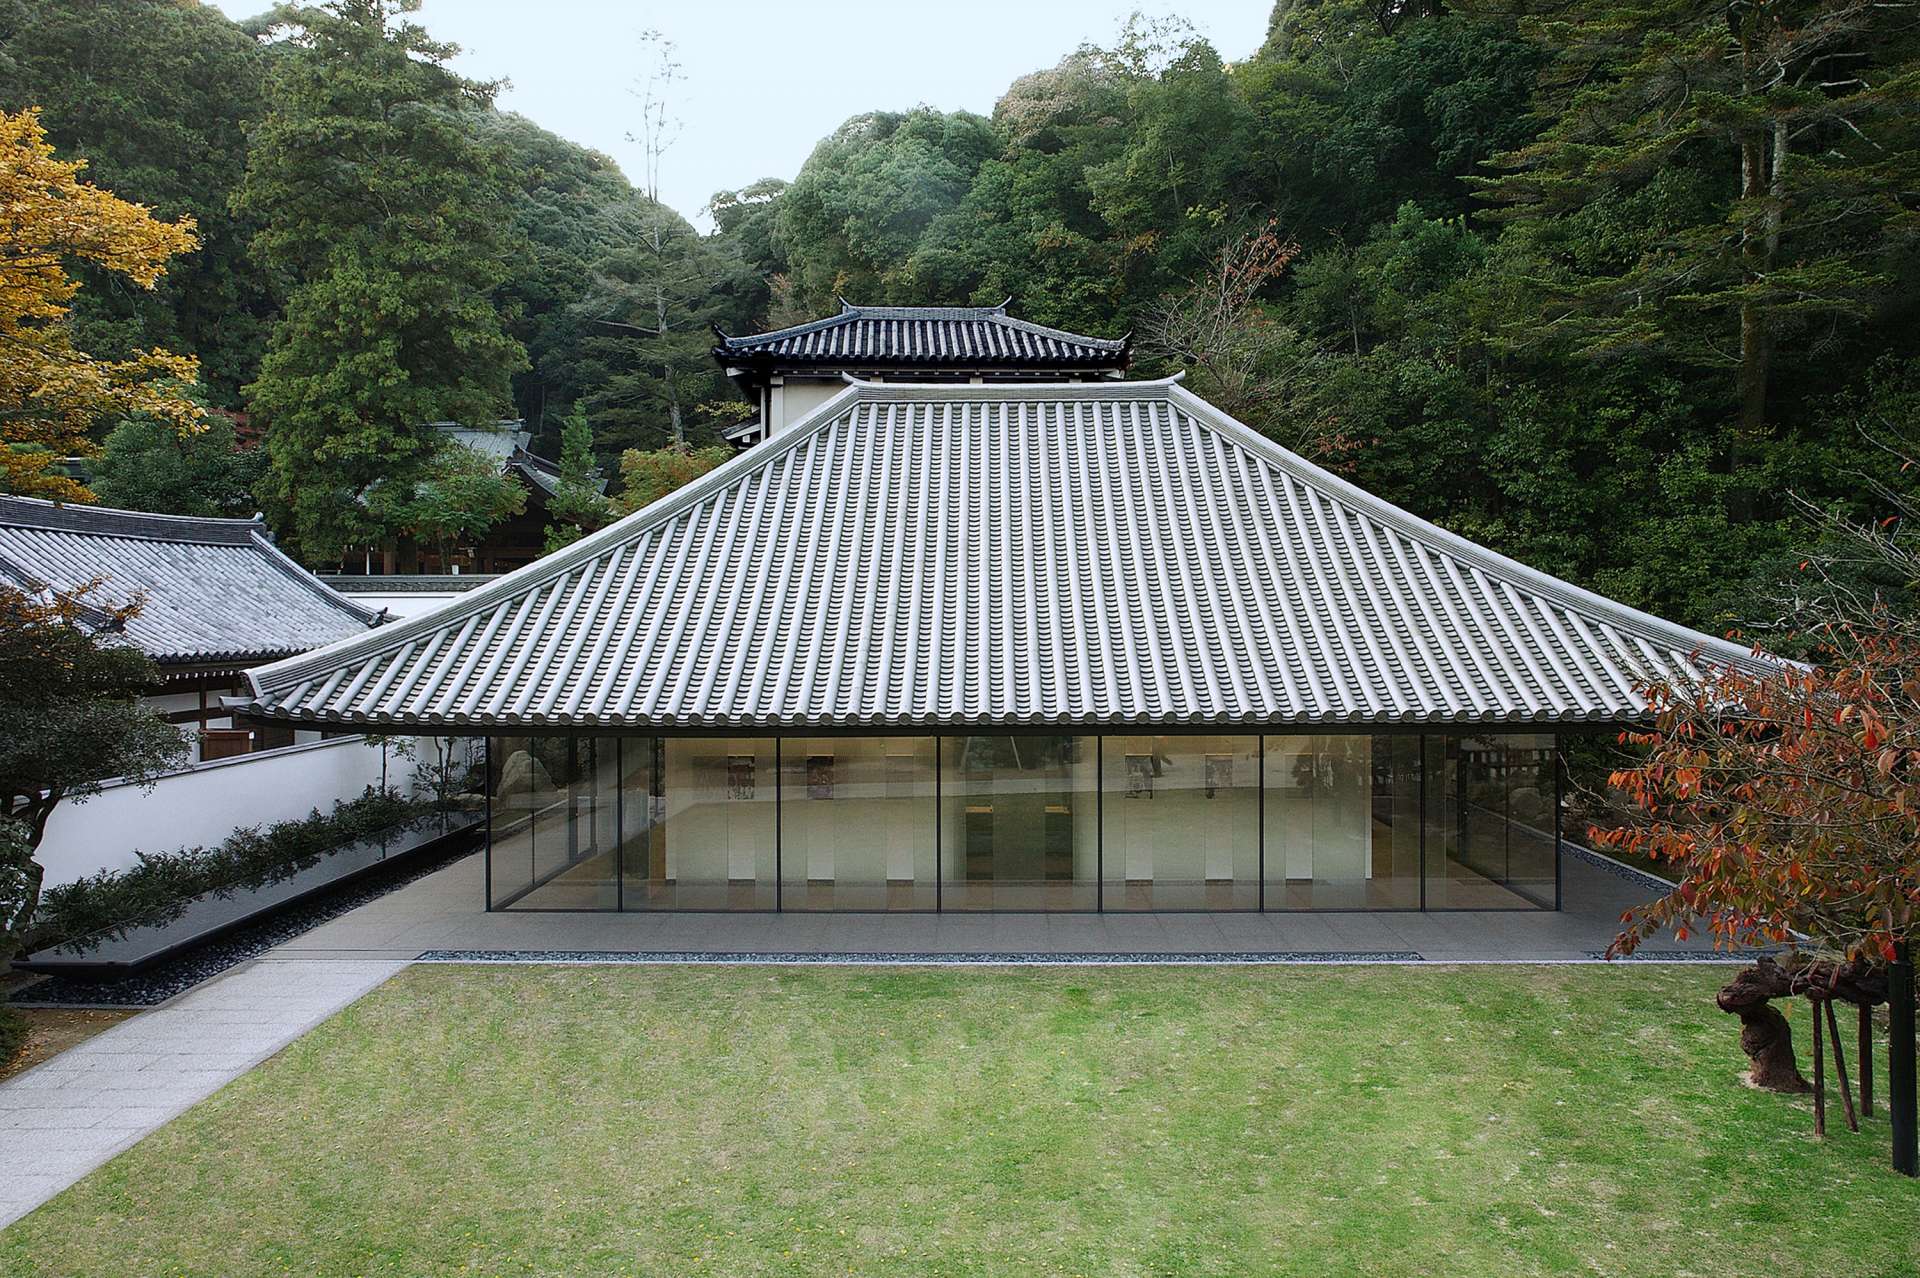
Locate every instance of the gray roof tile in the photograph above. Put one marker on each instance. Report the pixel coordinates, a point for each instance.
(924, 337)
(1057, 553)
(214, 590)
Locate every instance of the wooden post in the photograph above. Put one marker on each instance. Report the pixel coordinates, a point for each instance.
(1819, 1077)
(1866, 1061)
(1900, 1051)
(1840, 1066)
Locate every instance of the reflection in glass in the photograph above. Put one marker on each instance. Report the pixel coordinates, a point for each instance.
(1019, 823)
(1024, 822)
(712, 845)
(1181, 822)
(1490, 821)
(857, 823)
(1343, 822)
(556, 802)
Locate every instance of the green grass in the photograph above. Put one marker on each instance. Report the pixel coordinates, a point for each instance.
(1308, 1120)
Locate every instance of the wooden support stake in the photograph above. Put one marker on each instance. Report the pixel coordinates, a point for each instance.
(1840, 1067)
(1866, 1061)
(1819, 1077)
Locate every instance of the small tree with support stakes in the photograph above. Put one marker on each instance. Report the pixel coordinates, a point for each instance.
(1789, 802)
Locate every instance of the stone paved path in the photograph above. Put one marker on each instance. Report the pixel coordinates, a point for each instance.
(62, 1119)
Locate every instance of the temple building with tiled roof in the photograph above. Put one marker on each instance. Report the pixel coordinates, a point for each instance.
(787, 373)
(1035, 645)
(217, 597)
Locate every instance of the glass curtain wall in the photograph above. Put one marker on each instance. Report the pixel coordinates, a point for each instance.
(555, 823)
(1163, 821)
(1181, 822)
(857, 823)
(1019, 823)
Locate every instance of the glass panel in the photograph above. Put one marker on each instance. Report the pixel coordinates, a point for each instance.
(511, 785)
(714, 845)
(554, 810)
(643, 859)
(1490, 822)
(1334, 806)
(1395, 880)
(857, 823)
(1531, 819)
(1019, 823)
(1181, 817)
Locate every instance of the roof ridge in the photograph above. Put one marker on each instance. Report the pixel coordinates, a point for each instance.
(112, 521)
(850, 313)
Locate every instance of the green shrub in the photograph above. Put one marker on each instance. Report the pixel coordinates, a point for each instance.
(161, 884)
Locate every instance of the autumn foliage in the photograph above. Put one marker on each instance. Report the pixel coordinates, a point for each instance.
(51, 393)
(1788, 799)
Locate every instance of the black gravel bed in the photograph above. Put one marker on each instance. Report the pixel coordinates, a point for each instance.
(944, 958)
(176, 975)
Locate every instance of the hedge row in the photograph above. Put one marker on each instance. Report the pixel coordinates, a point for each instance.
(161, 884)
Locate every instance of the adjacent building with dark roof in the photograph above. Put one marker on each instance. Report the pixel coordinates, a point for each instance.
(217, 597)
(1029, 645)
(790, 371)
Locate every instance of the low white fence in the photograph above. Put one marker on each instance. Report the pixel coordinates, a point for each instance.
(201, 805)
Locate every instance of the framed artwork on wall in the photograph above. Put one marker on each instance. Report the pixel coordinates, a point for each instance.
(740, 776)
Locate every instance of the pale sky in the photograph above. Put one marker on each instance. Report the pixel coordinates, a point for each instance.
(766, 79)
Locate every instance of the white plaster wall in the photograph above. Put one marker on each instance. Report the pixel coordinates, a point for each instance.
(404, 604)
(203, 804)
(799, 396)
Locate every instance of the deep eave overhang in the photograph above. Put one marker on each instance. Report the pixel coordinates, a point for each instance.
(541, 726)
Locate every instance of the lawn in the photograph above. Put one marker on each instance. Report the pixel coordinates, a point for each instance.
(1120, 1121)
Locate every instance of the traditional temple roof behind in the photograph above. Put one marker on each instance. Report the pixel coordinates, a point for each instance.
(946, 555)
(216, 591)
(929, 337)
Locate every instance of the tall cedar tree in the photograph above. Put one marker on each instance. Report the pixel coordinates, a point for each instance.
(384, 210)
(579, 505)
(1799, 114)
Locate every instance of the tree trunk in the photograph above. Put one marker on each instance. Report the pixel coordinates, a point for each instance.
(1764, 1033)
(1767, 1040)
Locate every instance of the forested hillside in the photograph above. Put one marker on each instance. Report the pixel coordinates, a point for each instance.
(1602, 286)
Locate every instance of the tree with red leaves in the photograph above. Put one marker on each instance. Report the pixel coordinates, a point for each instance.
(1788, 800)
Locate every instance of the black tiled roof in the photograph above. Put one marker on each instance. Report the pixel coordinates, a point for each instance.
(929, 336)
(214, 591)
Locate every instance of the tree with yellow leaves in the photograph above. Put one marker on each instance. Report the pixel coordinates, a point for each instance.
(52, 393)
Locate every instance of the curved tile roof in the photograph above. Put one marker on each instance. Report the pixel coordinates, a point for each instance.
(925, 337)
(950, 555)
(214, 590)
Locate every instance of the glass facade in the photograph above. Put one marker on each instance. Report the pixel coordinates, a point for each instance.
(1019, 823)
(1148, 821)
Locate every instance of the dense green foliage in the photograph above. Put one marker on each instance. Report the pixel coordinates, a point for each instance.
(160, 884)
(157, 96)
(377, 201)
(148, 465)
(1600, 287)
(647, 475)
(580, 504)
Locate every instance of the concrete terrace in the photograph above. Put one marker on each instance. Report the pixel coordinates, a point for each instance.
(441, 916)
